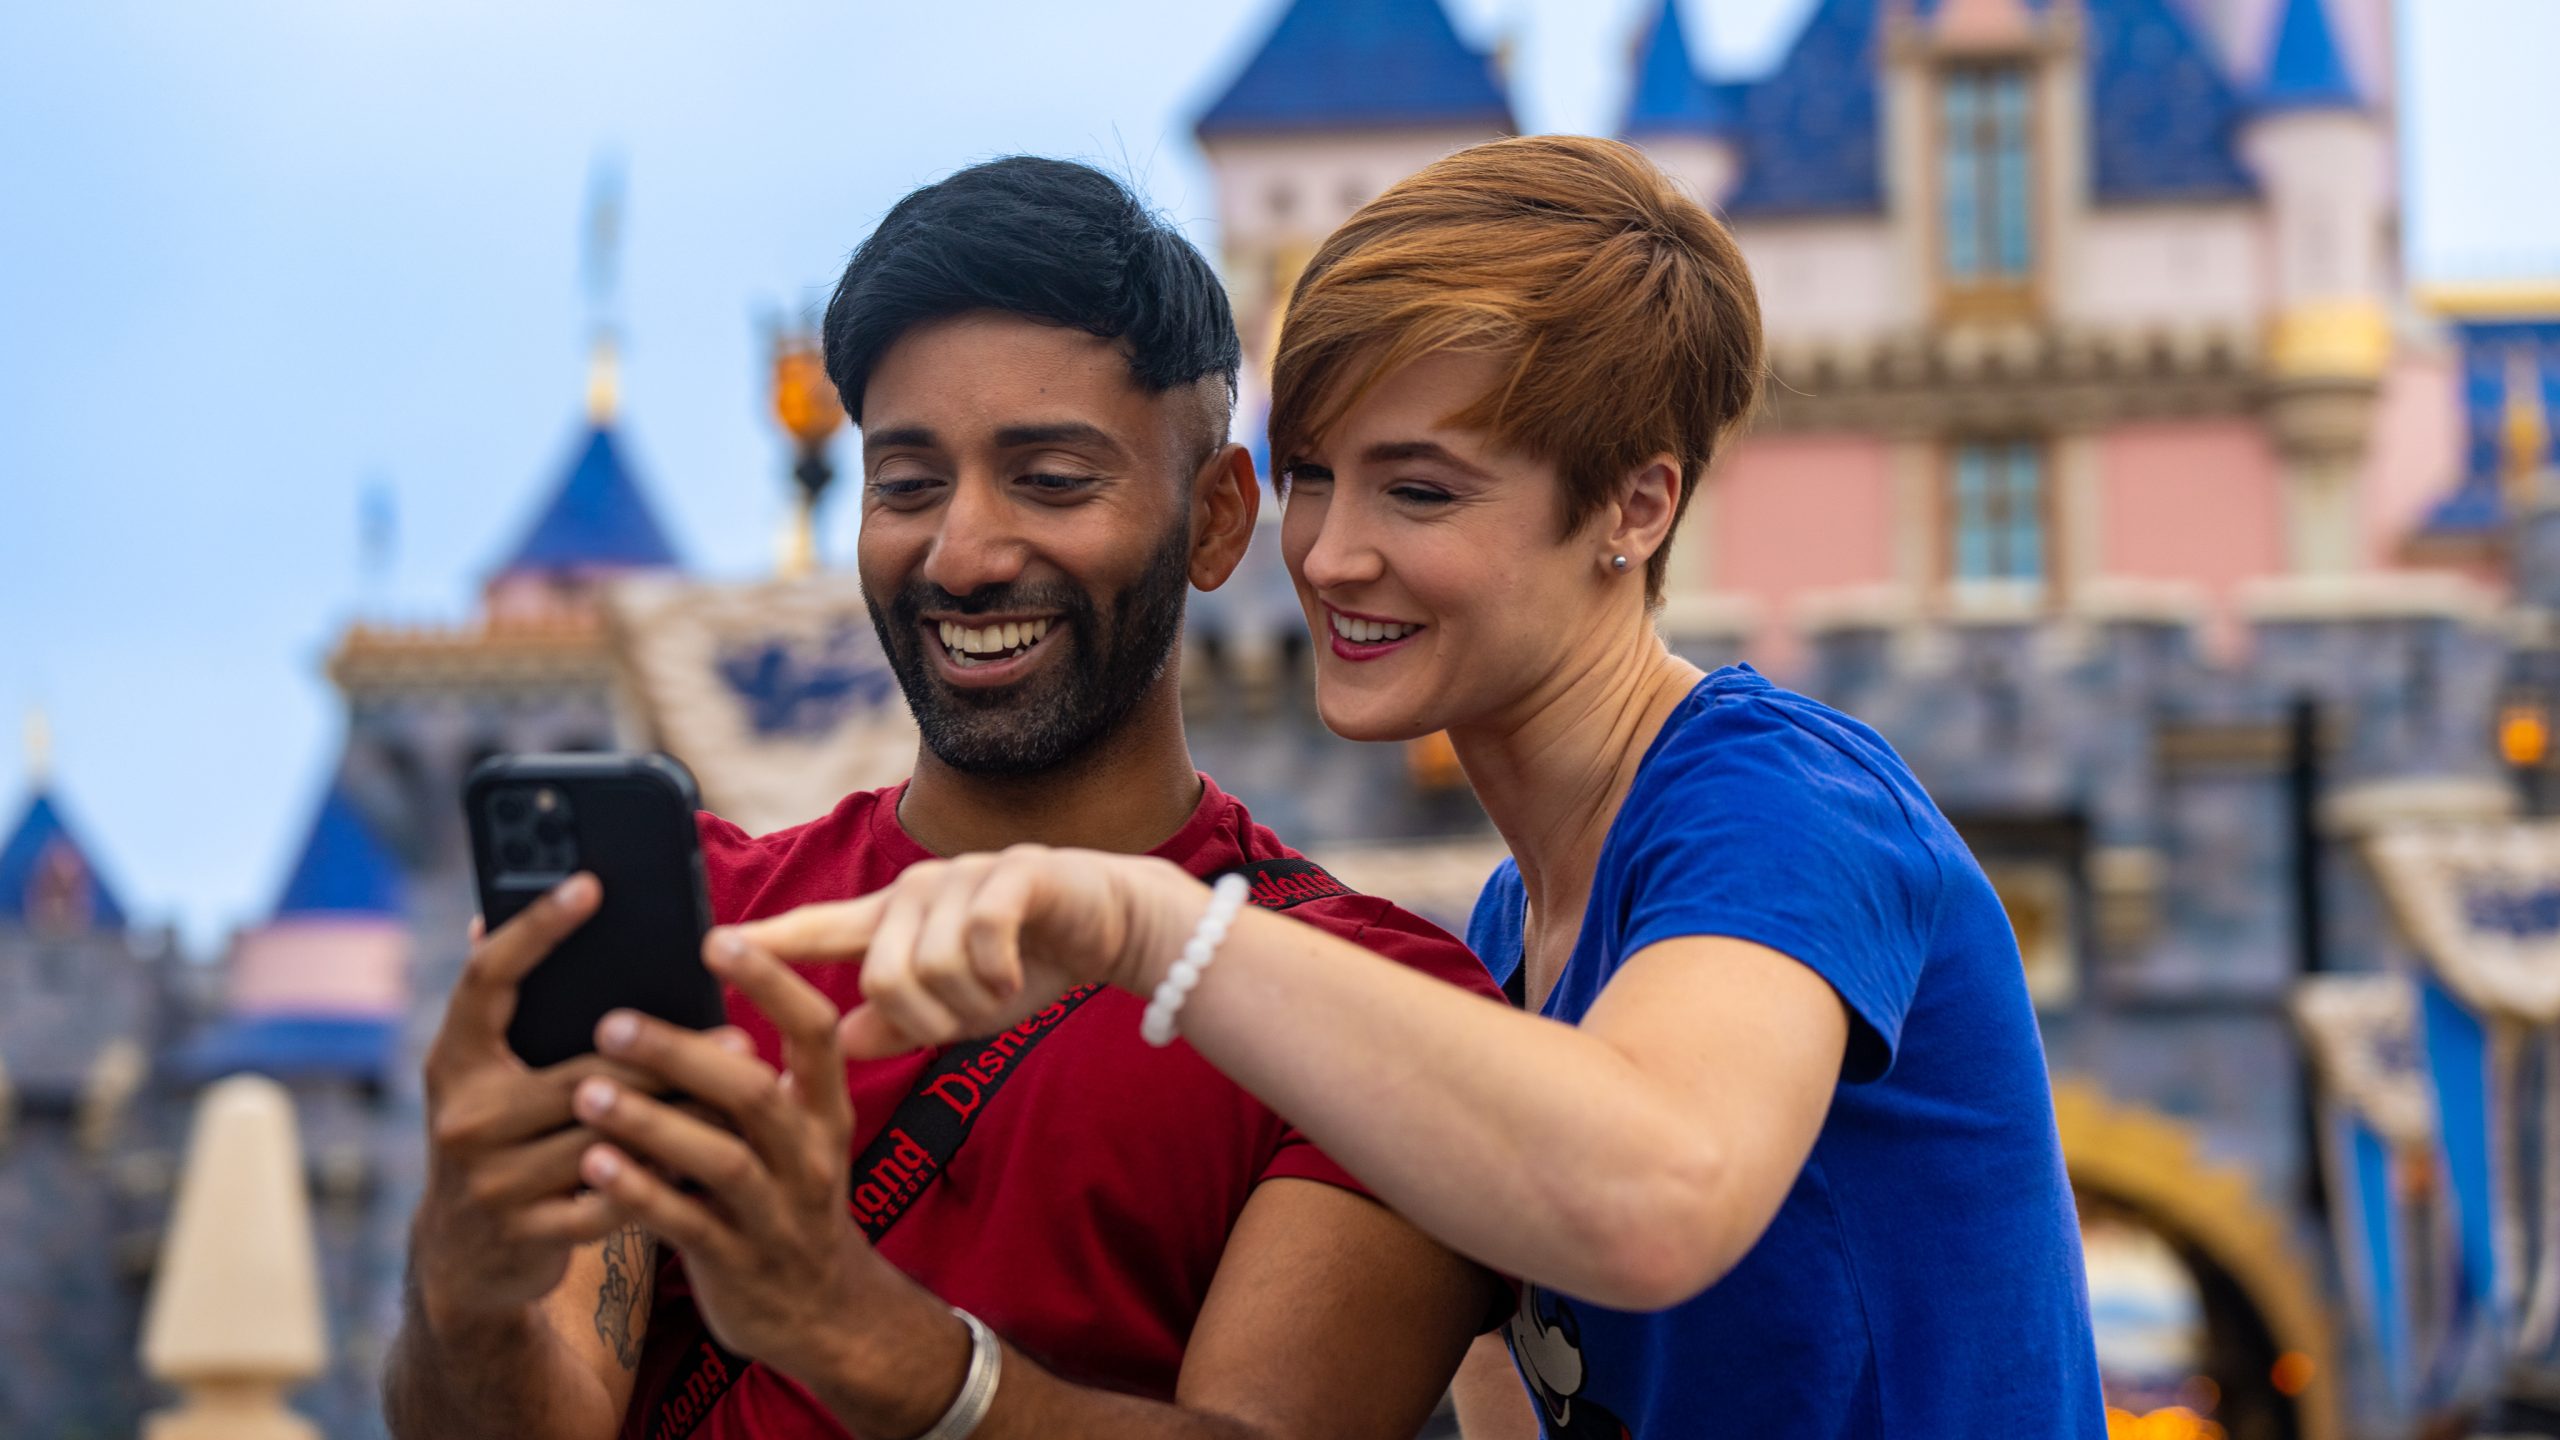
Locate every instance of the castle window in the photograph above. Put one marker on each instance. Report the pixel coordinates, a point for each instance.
(1997, 512)
(1983, 176)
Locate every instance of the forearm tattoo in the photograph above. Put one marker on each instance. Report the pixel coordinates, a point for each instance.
(621, 1299)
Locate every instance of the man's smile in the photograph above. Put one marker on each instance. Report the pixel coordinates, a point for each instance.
(986, 650)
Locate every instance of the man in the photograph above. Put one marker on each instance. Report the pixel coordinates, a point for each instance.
(1043, 374)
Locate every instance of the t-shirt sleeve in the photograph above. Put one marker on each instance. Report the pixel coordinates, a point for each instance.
(1751, 825)
(732, 867)
(1493, 931)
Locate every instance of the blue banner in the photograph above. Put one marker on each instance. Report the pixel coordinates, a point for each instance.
(2376, 1254)
(2458, 1063)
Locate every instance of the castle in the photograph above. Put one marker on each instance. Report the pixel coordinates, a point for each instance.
(2112, 468)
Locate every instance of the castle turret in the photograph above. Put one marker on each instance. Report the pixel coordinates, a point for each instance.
(596, 523)
(1681, 118)
(534, 671)
(48, 884)
(320, 989)
(1343, 99)
(2323, 159)
(78, 978)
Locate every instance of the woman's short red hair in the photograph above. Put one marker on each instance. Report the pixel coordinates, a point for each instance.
(1627, 317)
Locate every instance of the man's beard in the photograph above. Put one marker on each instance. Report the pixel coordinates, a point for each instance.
(1075, 700)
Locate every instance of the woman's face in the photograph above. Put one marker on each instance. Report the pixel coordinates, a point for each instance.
(1428, 561)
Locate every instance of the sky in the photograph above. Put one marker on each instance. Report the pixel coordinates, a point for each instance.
(258, 257)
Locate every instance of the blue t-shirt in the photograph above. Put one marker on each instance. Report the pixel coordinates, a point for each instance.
(1923, 1277)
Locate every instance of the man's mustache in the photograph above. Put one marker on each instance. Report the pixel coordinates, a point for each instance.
(914, 600)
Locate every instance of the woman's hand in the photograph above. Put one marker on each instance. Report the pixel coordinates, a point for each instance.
(957, 948)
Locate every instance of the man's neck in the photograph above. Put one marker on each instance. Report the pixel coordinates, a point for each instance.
(1129, 793)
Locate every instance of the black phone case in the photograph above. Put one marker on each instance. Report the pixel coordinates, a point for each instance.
(632, 820)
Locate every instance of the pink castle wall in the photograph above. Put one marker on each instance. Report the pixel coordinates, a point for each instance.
(2199, 501)
(2194, 501)
(1799, 513)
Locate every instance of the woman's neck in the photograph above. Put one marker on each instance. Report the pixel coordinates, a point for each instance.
(1552, 773)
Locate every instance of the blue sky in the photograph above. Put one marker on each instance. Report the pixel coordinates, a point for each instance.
(256, 255)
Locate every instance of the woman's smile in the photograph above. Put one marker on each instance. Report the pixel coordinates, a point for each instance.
(1368, 637)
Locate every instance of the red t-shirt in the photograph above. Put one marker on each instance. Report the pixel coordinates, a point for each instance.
(1086, 1212)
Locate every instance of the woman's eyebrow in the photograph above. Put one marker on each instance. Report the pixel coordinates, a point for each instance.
(1388, 452)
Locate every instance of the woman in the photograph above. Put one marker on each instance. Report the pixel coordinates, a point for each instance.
(1772, 1145)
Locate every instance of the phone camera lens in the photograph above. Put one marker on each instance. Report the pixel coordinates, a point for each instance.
(516, 853)
(509, 809)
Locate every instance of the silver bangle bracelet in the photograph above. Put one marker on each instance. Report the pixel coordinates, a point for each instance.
(977, 1388)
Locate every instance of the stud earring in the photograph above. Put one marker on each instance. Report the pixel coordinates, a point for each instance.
(1618, 562)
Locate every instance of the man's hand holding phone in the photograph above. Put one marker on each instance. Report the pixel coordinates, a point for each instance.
(504, 1206)
(529, 1294)
(777, 1265)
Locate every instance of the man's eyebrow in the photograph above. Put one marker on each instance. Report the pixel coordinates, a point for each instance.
(1390, 451)
(1056, 432)
(918, 436)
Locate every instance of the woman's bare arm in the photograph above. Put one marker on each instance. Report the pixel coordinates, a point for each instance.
(1631, 1159)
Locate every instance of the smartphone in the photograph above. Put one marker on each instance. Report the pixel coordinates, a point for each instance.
(535, 820)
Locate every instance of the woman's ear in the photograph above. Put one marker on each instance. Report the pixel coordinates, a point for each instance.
(1225, 498)
(1648, 503)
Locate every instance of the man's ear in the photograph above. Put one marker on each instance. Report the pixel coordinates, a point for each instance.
(1225, 498)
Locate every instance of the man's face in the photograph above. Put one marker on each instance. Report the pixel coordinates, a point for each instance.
(1026, 535)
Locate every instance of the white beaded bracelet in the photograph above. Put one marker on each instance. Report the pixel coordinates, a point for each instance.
(1225, 899)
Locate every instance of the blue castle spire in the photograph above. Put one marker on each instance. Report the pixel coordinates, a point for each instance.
(343, 873)
(2306, 70)
(1361, 64)
(2163, 118)
(47, 880)
(597, 517)
(343, 869)
(1669, 97)
(1808, 129)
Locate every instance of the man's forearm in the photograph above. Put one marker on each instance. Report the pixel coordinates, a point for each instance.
(1030, 1404)
(1036, 1405)
(503, 1375)
(907, 1368)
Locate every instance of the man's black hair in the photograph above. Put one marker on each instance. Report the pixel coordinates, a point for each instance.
(1048, 240)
